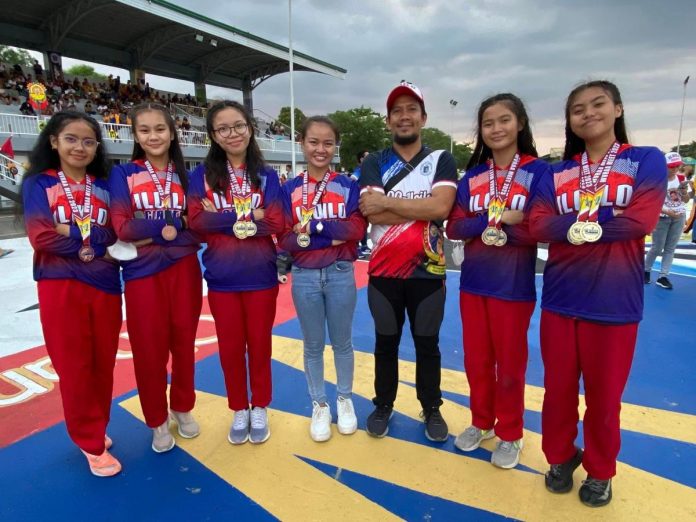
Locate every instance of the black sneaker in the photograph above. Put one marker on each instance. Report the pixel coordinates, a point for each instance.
(647, 277)
(664, 282)
(595, 492)
(435, 426)
(559, 479)
(378, 421)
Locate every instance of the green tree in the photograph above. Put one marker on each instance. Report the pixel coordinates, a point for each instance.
(82, 70)
(12, 55)
(687, 150)
(361, 129)
(436, 139)
(284, 118)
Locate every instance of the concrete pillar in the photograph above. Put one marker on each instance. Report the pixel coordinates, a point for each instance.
(247, 96)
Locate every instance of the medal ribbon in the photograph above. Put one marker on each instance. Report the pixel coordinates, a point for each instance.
(592, 186)
(241, 196)
(83, 219)
(498, 200)
(308, 211)
(164, 193)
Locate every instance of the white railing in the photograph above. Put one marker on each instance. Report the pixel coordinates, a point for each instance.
(116, 133)
(10, 170)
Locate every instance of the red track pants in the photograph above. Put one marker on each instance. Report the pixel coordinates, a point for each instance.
(495, 360)
(162, 312)
(602, 354)
(80, 326)
(244, 324)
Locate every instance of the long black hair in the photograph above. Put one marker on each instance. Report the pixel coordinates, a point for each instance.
(525, 140)
(44, 157)
(216, 161)
(574, 144)
(175, 154)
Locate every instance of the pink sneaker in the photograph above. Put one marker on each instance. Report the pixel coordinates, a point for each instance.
(104, 465)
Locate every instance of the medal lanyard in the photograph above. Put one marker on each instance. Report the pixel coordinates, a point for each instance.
(164, 193)
(319, 192)
(592, 187)
(82, 219)
(241, 196)
(498, 200)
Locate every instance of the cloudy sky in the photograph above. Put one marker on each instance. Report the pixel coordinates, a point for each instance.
(468, 50)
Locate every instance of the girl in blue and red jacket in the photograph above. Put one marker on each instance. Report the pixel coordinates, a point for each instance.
(323, 225)
(66, 210)
(497, 289)
(235, 203)
(163, 284)
(594, 211)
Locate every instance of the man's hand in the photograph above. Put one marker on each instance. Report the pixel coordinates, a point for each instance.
(372, 202)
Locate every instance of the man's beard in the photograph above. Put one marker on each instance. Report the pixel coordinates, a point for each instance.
(406, 140)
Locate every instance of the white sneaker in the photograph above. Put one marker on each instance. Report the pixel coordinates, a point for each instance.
(239, 431)
(320, 429)
(347, 421)
(259, 430)
(162, 439)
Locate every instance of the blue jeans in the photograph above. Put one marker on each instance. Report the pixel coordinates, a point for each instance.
(326, 297)
(664, 241)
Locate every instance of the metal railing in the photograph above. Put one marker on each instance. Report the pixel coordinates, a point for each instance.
(10, 170)
(116, 133)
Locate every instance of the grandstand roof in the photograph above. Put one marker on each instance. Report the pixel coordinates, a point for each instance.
(153, 35)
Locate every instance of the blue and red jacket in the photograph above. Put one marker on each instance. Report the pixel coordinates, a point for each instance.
(505, 272)
(232, 264)
(137, 213)
(339, 213)
(600, 281)
(56, 256)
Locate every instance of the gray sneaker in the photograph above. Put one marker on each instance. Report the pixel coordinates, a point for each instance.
(507, 454)
(162, 439)
(239, 432)
(471, 438)
(260, 431)
(186, 425)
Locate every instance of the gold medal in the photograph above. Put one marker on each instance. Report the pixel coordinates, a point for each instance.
(574, 233)
(240, 230)
(502, 238)
(490, 236)
(251, 228)
(303, 240)
(591, 231)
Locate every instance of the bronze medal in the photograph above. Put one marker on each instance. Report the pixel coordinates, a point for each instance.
(490, 236)
(86, 254)
(303, 240)
(240, 230)
(251, 228)
(169, 232)
(591, 231)
(502, 238)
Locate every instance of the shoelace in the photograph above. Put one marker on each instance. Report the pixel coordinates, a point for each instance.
(382, 413)
(555, 471)
(596, 485)
(505, 445)
(320, 411)
(258, 418)
(240, 420)
(433, 416)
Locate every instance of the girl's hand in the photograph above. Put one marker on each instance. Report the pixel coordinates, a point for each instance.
(258, 214)
(512, 217)
(63, 229)
(208, 205)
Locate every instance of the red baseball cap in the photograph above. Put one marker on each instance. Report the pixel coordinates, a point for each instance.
(408, 89)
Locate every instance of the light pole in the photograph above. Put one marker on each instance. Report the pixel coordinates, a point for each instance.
(291, 60)
(681, 120)
(453, 104)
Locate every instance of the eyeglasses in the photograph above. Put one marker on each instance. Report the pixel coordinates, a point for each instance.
(87, 143)
(225, 131)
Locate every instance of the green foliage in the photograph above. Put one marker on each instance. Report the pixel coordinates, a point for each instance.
(436, 139)
(82, 70)
(12, 55)
(687, 150)
(361, 129)
(284, 118)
